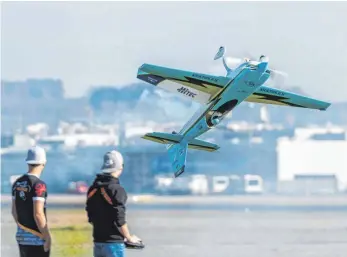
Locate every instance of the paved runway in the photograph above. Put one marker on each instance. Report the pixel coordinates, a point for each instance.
(211, 233)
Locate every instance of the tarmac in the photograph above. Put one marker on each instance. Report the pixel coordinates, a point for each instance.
(215, 233)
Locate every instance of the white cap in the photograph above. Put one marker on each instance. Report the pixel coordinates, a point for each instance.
(113, 161)
(36, 155)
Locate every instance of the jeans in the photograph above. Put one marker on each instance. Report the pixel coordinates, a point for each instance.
(109, 250)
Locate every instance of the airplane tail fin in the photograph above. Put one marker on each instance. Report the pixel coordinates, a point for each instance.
(178, 156)
(220, 54)
(178, 149)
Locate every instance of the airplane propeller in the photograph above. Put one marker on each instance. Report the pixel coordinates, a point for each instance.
(233, 60)
(273, 72)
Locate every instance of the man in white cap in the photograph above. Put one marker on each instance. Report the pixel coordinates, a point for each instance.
(29, 195)
(105, 207)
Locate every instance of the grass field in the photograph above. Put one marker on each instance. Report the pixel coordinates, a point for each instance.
(71, 233)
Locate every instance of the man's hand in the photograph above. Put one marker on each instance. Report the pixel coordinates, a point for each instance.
(48, 242)
(130, 238)
(133, 239)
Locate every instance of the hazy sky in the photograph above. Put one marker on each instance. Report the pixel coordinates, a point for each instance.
(103, 43)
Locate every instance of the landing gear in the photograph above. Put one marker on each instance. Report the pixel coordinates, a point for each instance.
(214, 117)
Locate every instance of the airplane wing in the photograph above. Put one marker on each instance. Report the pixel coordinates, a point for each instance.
(195, 86)
(268, 95)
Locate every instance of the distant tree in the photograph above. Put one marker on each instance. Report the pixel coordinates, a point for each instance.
(129, 94)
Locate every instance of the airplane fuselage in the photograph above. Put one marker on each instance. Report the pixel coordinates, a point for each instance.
(244, 80)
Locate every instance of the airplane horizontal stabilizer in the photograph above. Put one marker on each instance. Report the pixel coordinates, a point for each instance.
(163, 138)
(202, 145)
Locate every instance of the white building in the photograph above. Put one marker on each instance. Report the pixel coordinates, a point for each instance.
(306, 133)
(85, 139)
(312, 165)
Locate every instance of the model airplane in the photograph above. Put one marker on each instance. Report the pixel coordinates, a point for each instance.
(219, 95)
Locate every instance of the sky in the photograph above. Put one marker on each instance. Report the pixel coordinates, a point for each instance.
(103, 43)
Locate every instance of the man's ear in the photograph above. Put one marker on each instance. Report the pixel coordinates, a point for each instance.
(118, 172)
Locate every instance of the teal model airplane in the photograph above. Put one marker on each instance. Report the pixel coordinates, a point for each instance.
(219, 95)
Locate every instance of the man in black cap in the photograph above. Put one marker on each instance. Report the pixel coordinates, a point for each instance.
(29, 195)
(105, 207)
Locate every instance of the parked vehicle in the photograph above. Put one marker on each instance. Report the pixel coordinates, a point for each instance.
(78, 187)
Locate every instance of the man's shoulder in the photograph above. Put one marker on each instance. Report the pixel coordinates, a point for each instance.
(32, 178)
(18, 179)
(20, 182)
(37, 181)
(23, 180)
(40, 188)
(116, 187)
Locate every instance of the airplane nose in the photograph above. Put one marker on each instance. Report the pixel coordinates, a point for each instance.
(264, 60)
(263, 66)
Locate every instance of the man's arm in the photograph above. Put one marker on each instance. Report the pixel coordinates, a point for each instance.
(40, 194)
(125, 231)
(40, 218)
(14, 211)
(120, 199)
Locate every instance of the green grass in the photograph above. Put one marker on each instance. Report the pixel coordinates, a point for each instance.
(71, 241)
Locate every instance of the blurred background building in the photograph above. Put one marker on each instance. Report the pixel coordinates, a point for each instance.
(264, 149)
